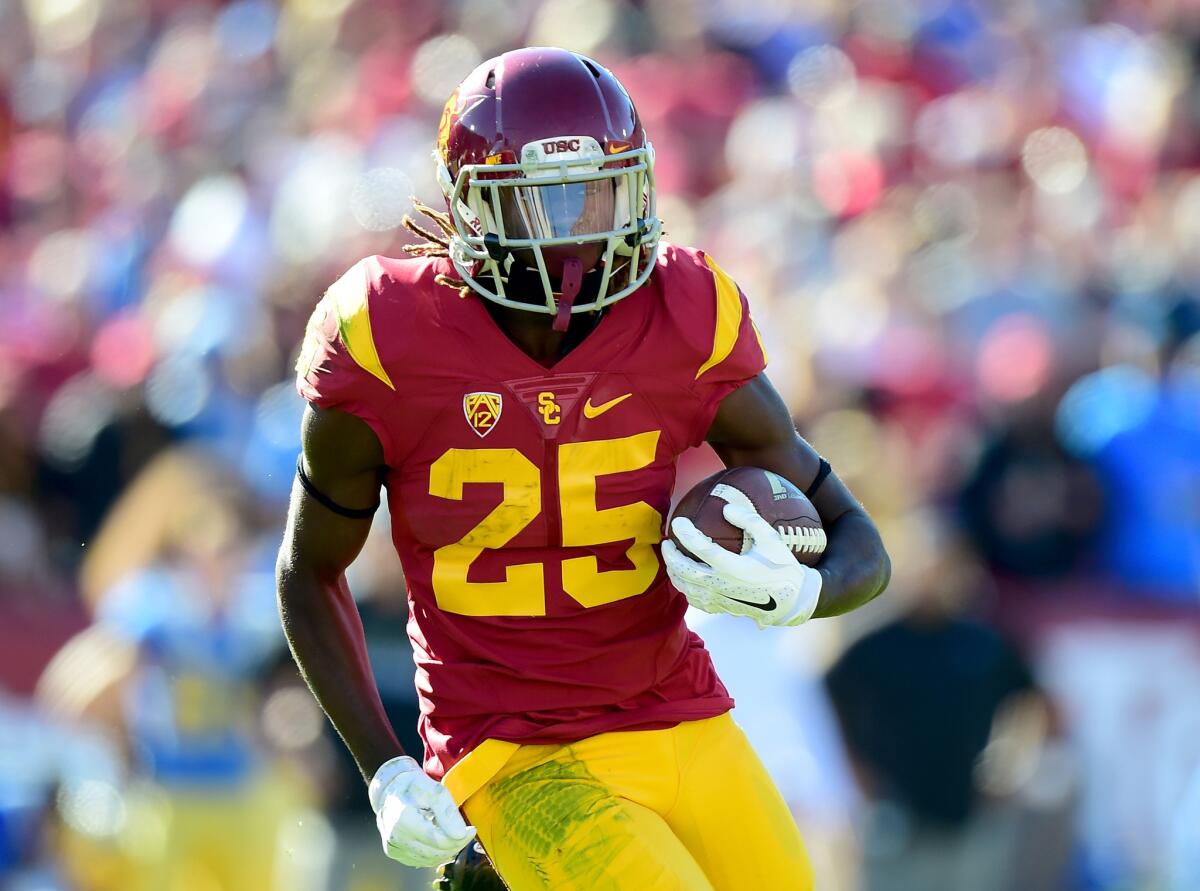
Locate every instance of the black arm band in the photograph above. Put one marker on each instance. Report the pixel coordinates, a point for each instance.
(823, 472)
(364, 513)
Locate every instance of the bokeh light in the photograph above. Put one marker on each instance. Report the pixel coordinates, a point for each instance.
(62, 25)
(822, 75)
(580, 25)
(440, 63)
(312, 209)
(177, 390)
(59, 265)
(847, 183)
(1054, 159)
(1103, 405)
(965, 128)
(246, 29)
(123, 351)
(291, 719)
(208, 218)
(849, 315)
(74, 418)
(1014, 359)
(380, 199)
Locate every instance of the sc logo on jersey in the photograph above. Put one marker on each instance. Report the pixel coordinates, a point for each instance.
(550, 410)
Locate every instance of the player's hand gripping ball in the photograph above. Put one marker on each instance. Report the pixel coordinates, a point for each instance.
(744, 542)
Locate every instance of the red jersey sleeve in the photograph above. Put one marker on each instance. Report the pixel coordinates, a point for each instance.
(712, 316)
(339, 366)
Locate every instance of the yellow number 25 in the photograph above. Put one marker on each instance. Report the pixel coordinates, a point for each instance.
(523, 591)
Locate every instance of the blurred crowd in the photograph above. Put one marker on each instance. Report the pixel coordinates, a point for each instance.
(970, 234)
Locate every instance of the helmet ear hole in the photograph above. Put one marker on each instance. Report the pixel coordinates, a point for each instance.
(490, 83)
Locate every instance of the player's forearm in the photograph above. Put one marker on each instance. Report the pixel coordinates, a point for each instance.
(855, 567)
(326, 638)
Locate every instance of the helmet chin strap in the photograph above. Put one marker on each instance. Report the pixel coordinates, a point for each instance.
(572, 281)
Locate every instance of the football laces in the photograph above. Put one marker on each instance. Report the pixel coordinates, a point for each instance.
(803, 539)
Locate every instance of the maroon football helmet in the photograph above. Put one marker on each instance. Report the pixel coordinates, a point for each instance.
(544, 164)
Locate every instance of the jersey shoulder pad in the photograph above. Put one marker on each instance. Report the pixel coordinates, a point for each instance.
(339, 343)
(375, 314)
(363, 329)
(711, 316)
(345, 312)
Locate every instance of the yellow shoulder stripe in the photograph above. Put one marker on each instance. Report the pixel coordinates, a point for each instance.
(349, 297)
(729, 317)
(761, 346)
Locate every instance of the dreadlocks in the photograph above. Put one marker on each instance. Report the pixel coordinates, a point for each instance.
(434, 243)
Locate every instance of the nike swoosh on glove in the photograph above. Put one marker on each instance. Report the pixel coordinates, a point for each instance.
(417, 818)
(765, 583)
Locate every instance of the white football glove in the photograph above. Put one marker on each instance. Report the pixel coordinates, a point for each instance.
(765, 583)
(417, 818)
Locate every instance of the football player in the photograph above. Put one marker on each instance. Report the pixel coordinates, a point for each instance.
(521, 389)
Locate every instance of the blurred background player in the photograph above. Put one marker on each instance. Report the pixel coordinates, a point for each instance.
(945, 796)
(175, 673)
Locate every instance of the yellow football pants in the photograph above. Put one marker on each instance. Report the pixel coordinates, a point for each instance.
(686, 809)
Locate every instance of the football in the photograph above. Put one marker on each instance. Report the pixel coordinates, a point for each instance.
(777, 501)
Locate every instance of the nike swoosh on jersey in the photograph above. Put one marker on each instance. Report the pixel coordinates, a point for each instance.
(595, 411)
(765, 607)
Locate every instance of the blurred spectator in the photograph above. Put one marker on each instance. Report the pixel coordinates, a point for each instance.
(920, 700)
(1032, 507)
(1143, 435)
(1128, 677)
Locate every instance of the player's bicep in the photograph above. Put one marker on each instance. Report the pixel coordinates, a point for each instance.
(329, 518)
(753, 428)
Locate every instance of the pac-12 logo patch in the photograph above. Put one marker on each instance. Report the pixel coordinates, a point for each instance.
(482, 411)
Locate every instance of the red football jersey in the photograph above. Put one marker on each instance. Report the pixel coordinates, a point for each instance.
(528, 503)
